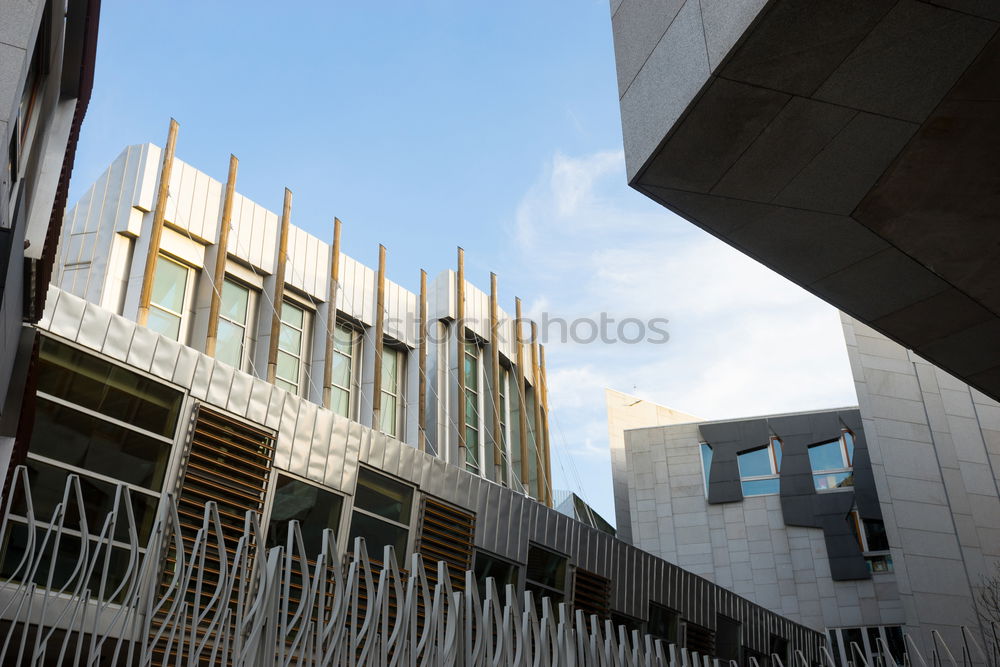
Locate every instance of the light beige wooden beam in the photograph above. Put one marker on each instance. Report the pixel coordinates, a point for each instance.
(279, 288)
(379, 341)
(546, 433)
(460, 333)
(422, 366)
(543, 480)
(331, 317)
(221, 253)
(159, 211)
(521, 397)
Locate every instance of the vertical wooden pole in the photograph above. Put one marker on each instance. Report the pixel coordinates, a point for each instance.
(331, 317)
(495, 374)
(521, 396)
(543, 481)
(546, 434)
(159, 210)
(379, 338)
(279, 288)
(422, 365)
(221, 253)
(460, 333)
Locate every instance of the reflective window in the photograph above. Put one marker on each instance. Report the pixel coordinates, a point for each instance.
(514, 411)
(663, 622)
(503, 426)
(391, 417)
(503, 572)
(314, 508)
(83, 379)
(546, 574)
(473, 409)
(382, 508)
(166, 303)
(234, 312)
(873, 542)
(831, 463)
(345, 348)
(706, 463)
(759, 469)
(291, 371)
(847, 644)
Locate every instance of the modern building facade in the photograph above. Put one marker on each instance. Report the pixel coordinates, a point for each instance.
(47, 52)
(182, 464)
(843, 144)
(869, 522)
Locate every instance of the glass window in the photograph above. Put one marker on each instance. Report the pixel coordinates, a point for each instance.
(502, 383)
(345, 344)
(504, 573)
(291, 370)
(515, 430)
(706, 463)
(831, 463)
(663, 622)
(473, 421)
(759, 469)
(546, 574)
(314, 508)
(234, 310)
(166, 303)
(391, 400)
(381, 514)
(95, 384)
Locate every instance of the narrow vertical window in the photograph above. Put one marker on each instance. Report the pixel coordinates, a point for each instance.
(473, 423)
(167, 302)
(514, 410)
(706, 463)
(502, 426)
(291, 346)
(234, 309)
(391, 399)
(344, 345)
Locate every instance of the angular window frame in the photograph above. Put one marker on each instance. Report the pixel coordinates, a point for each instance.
(273, 487)
(373, 515)
(845, 472)
(773, 448)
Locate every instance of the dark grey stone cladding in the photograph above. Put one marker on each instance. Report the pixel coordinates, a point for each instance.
(801, 505)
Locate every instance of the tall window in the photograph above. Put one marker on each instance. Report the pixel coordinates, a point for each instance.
(514, 412)
(832, 463)
(473, 411)
(706, 463)
(503, 572)
(759, 469)
(381, 514)
(345, 345)
(873, 542)
(234, 311)
(391, 404)
(291, 371)
(315, 509)
(663, 622)
(546, 575)
(169, 296)
(107, 425)
(503, 426)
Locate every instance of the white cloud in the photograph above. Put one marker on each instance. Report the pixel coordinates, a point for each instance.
(743, 340)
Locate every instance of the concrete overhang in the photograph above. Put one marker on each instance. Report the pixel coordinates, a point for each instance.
(850, 145)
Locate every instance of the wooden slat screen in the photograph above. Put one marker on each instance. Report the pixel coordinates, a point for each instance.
(446, 533)
(228, 462)
(699, 638)
(592, 593)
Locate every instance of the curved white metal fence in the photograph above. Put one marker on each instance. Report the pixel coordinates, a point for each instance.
(76, 594)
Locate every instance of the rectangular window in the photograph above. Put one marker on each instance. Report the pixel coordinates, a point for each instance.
(759, 469)
(546, 575)
(292, 371)
(832, 462)
(391, 419)
(663, 622)
(873, 542)
(232, 344)
(473, 409)
(315, 509)
(847, 644)
(382, 508)
(345, 352)
(706, 463)
(504, 573)
(514, 411)
(171, 284)
(503, 427)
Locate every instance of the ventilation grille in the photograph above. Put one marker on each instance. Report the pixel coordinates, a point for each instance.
(446, 534)
(592, 593)
(699, 638)
(228, 462)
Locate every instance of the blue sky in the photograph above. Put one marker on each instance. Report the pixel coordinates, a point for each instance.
(429, 124)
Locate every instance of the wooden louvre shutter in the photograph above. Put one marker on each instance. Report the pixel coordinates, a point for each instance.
(699, 638)
(228, 462)
(592, 593)
(446, 534)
